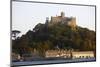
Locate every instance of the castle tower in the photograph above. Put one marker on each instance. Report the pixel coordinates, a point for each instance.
(47, 21)
(62, 14)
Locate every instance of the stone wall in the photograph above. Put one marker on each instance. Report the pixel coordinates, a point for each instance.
(70, 21)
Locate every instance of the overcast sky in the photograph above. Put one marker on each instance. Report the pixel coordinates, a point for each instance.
(26, 15)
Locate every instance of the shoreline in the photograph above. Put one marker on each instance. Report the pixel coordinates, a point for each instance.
(43, 62)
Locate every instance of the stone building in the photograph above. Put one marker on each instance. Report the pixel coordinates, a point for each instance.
(69, 54)
(58, 53)
(83, 54)
(70, 21)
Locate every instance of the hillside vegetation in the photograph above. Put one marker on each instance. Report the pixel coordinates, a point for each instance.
(44, 37)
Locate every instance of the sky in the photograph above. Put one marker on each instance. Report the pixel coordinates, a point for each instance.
(26, 15)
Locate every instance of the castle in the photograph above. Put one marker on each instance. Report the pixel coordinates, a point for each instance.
(70, 21)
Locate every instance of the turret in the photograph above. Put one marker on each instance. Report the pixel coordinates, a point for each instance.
(62, 14)
(47, 20)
